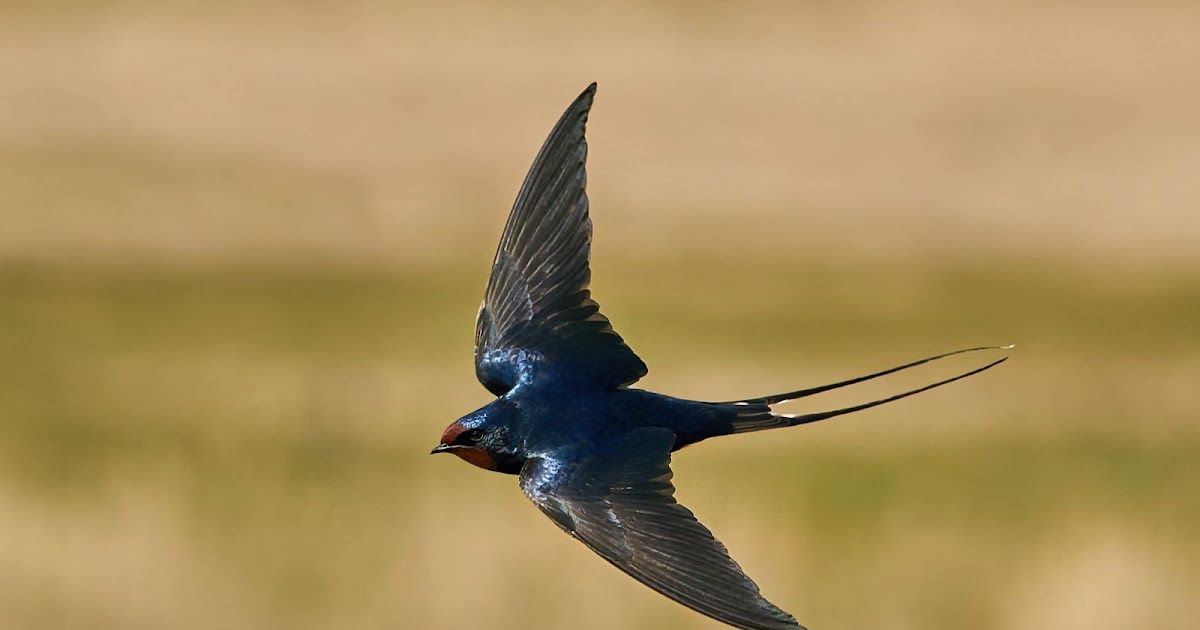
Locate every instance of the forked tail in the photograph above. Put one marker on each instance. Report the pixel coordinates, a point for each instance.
(755, 414)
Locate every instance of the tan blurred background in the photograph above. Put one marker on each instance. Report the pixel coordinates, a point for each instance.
(241, 251)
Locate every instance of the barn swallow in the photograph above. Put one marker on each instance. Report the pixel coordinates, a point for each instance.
(591, 452)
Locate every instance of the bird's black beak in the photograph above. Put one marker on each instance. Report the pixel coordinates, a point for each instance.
(440, 448)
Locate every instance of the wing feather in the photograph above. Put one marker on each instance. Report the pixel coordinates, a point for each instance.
(537, 308)
(621, 504)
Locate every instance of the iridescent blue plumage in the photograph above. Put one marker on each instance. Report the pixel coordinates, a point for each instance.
(593, 454)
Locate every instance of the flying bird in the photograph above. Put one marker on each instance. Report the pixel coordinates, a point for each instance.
(591, 452)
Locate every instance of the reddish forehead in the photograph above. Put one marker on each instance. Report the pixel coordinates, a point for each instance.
(452, 432)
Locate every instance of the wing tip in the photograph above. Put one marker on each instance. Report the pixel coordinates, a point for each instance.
(585, 99)
(781, 617)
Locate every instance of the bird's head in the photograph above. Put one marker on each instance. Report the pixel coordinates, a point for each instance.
(482, 438)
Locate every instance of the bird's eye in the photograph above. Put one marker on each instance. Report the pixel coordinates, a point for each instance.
(472, 435)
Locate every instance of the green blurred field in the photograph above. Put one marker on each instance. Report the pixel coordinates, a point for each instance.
(248, 449)
(241, 251)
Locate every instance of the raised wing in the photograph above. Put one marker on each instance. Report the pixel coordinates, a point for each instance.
(621, 504)
(537, 308)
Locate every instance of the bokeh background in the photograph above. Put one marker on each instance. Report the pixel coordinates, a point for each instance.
(242, 247)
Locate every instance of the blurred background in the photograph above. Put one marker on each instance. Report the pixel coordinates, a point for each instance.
(242, 248)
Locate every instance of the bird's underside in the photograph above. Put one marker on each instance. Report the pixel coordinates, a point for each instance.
(538, 321)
